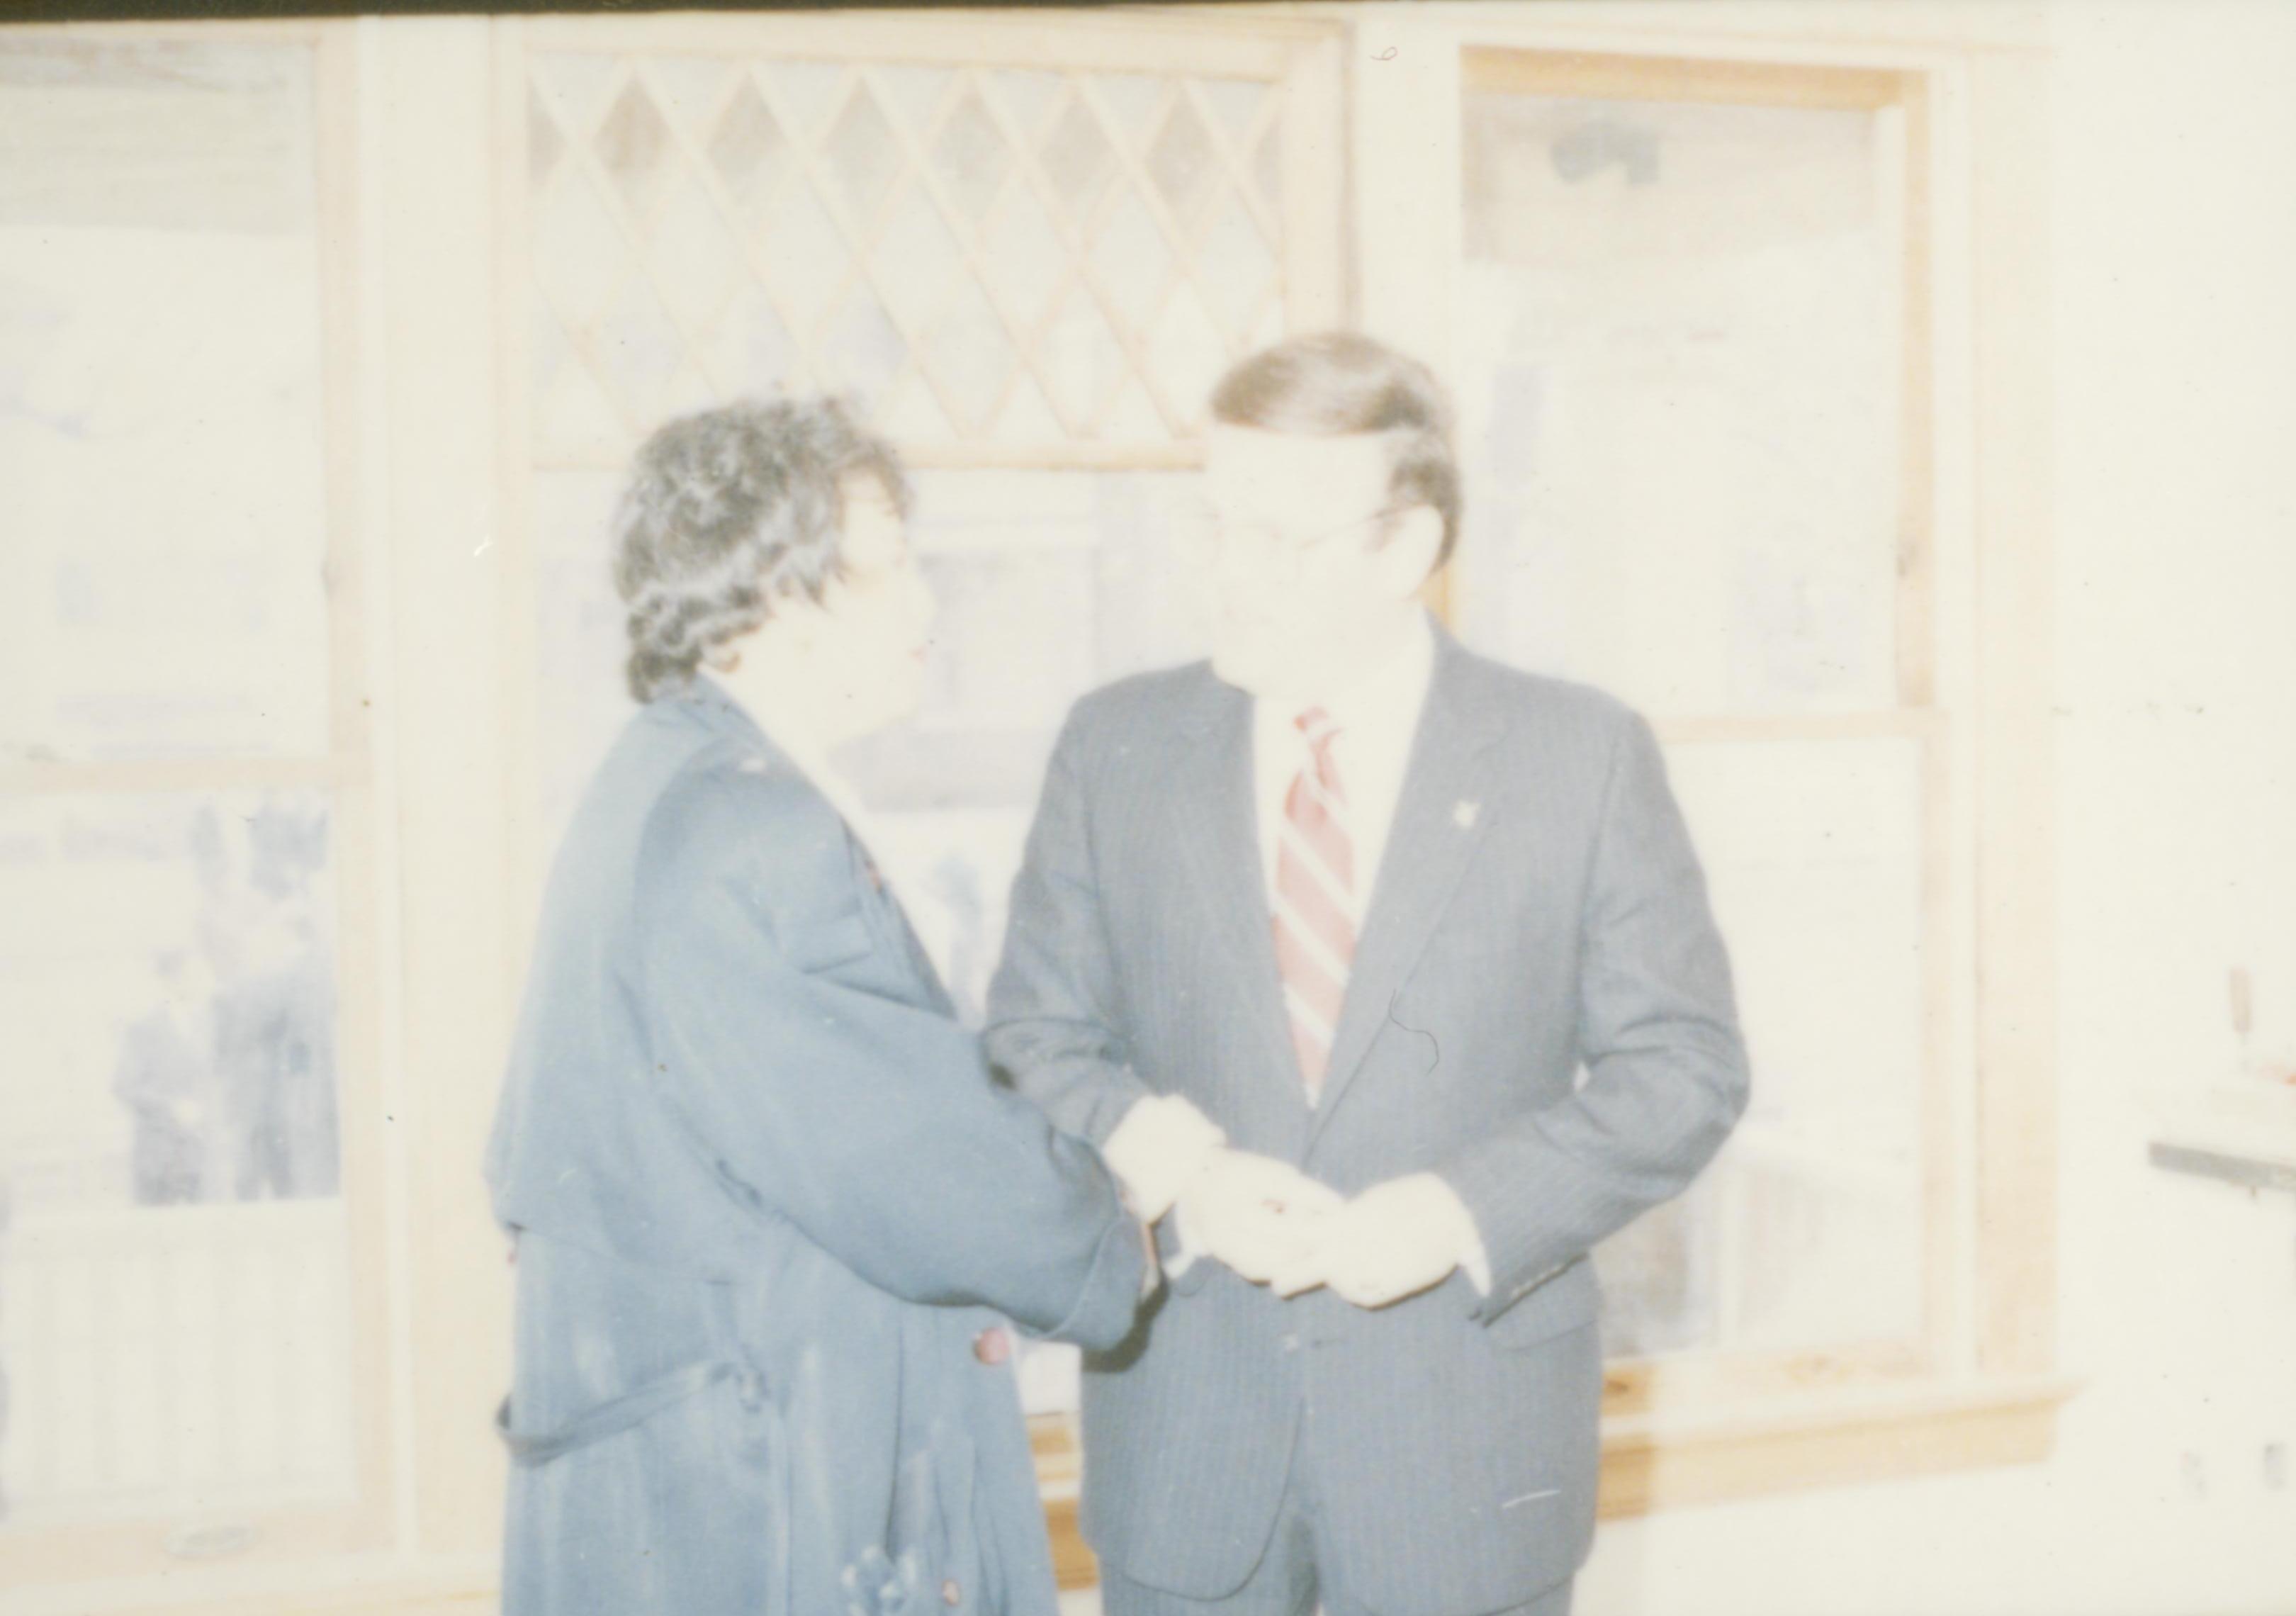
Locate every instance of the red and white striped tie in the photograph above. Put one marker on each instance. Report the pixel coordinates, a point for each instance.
(1315, 902)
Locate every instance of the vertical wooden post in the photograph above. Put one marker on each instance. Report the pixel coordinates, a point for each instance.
(2016, 1002)
(448, 582)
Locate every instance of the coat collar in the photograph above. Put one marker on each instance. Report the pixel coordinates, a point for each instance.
(710, 705)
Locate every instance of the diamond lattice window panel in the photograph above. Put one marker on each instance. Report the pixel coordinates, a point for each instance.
(1017, 258)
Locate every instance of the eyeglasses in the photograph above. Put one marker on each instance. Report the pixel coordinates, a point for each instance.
(1202, 534)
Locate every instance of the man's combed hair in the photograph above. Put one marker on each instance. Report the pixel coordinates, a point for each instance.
(1338, 383)
(727, 512)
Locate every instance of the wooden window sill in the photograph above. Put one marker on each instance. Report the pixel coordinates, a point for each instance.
(1650, 1461)
(1661, 1461)
(378, 1583)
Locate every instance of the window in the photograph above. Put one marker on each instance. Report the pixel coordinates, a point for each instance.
(1010, 255)
(185, 956)
(1029, 264)
(1692, 447)
(216, 859)
(1028, 256)
(1690, 311)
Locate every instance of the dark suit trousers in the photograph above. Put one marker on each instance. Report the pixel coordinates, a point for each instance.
(1290, 1579)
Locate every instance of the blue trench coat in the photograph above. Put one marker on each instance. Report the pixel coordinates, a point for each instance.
(771, 1212)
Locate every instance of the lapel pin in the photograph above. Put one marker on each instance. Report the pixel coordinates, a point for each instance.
(1463, 815)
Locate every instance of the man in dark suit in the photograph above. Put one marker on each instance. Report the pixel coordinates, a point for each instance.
(1314, 940)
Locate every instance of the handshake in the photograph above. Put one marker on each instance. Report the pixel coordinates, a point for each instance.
(1273, 1225)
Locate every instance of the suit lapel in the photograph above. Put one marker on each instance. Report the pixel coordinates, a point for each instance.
(1439, 821)
(1217, 822)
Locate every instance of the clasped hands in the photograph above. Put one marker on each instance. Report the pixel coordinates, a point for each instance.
(1273, 1225)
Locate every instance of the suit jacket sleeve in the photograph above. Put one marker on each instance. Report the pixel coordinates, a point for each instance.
(1658, 1034)
(1052, 1005)
(869, 1123)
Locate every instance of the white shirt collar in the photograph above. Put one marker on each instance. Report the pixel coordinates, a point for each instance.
(1380, 695)
(1377, 713)
(1394, 689)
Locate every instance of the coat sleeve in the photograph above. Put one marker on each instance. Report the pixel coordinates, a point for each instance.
(869, 1123)
(1658, 1034)
(1052, 1013)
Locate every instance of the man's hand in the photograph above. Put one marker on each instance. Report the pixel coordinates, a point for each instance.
(1254, 1213)
(1395, 1240)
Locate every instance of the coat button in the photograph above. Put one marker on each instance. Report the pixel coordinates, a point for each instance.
(992, 1346)
(950, 1593)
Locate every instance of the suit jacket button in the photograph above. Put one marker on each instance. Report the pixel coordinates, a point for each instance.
(950, 1593)
(992, 1346)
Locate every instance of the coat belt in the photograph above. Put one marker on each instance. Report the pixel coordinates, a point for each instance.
(618, 1414)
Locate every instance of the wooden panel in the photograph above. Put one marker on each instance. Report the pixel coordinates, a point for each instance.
(1943, 1152)
(518, 633)
(1620, 77)
(204, 31)
(1074, 1564)
(359, 894)
(1916, 624)
(122, 1550)
(447, 585)
(1768, 28)
(1695, 731)
(1710, 1380)
(1314, 196)
(140, 1548)
(1005, 318)
(1653, 1467)
(2016, 991)
(183, 774)
(1405, 237)
(1181, 455)
(1174, 42)
(1058, 1447)
(465, 1592)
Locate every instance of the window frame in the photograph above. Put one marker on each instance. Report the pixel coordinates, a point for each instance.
(425, 429)
(1708, 1378)
(1300, 52)
(1980, 1387)
(136, 1546)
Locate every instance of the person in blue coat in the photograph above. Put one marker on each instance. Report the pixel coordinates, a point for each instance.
(770, 1211)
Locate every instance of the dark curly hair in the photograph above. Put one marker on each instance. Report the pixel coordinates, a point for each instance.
(1335, 383)
(727, 510)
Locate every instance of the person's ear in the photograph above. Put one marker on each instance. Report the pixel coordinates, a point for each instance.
(1407, 559)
